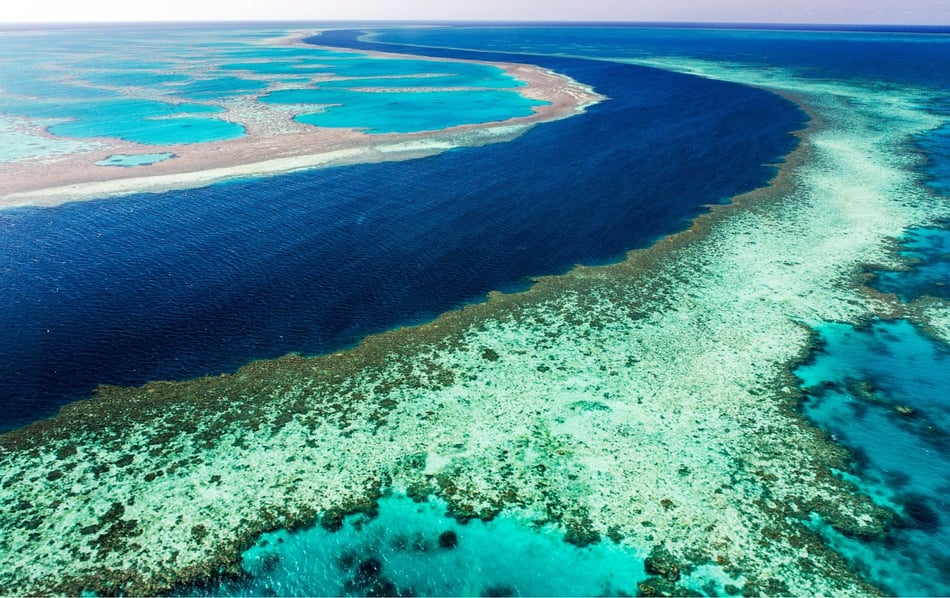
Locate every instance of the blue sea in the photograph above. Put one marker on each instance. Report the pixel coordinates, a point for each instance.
(202, 281)
(186, 283)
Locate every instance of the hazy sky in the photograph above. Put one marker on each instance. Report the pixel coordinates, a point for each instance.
(922, 12)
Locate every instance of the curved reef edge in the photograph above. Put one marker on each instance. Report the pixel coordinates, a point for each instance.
(273, 144)
(649, 401)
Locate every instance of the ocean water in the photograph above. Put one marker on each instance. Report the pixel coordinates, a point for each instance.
(217, 88)
(423, 81)
(50, 75)
(142, 121)
(32, 89)
(884, 392)
(415, 549)
(295, 54)
(278, 68)
(152, 131)
(145, 84)
(902, 56)
(20, 144)
(342, 104)
(881, 391)
(195, 282)
(473, 75)
(404, 111)
(97, 64)
(926, 249)
(202, 281)
(411, 548)
(122, 77)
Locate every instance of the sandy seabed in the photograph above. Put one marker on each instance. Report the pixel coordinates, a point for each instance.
(649, 402)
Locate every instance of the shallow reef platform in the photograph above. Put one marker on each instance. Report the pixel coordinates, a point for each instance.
(233, 104)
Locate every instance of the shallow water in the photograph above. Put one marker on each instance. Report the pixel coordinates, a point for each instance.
(936, 148)
(415, 549)
(926, 249)
(74, 75)
(217, 88)
(131, 78)
(296, 67)
(454, 80)
(928, 267)
(404, 111)
(131, 160)
(884, 393)
(22, 145)
(142, 121)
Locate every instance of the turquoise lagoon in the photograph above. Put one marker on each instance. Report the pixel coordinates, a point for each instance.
(177, 87)
(217, 88)
(414, 549)
(125, 77)
(296, 67)
(883, 391)
(422, 81)
(417, 110)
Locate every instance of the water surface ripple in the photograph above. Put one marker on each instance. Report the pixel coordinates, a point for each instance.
(202, 281)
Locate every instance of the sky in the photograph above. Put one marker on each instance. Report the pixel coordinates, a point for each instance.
(885, 12)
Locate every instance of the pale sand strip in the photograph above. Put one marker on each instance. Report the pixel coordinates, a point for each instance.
(649, 400)
(274, 144)
(95, 189)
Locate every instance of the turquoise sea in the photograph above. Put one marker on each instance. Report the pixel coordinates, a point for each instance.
(165, 90)
(174, 286)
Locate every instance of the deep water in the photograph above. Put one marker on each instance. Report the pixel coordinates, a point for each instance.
(186, 283)
(896, 55)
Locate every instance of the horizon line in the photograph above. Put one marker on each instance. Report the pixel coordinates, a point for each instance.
(496, 22)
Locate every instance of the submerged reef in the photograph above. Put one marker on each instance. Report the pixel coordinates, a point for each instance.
(650, 402)
(412, 548)
(881, 391)
(583, 409)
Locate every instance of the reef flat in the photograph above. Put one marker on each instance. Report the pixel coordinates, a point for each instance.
(649, 401)
(221, 120)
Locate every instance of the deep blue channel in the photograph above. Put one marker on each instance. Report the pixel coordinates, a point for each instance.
(186, 283)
